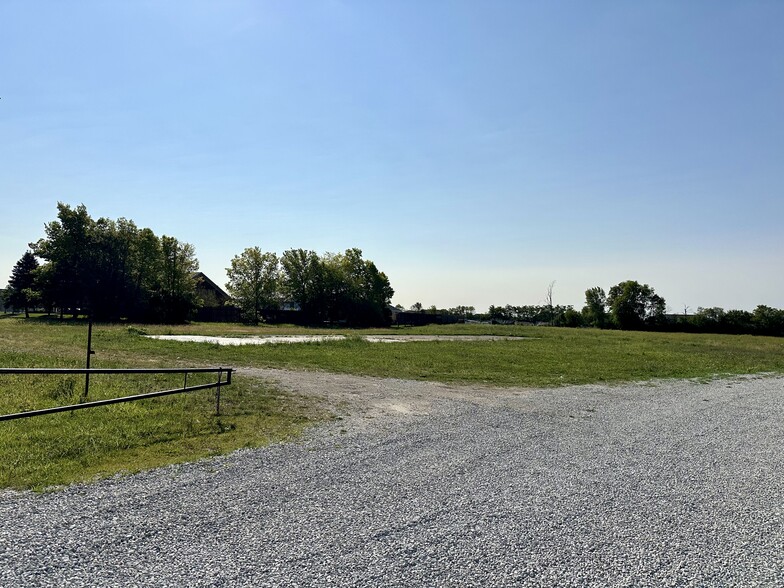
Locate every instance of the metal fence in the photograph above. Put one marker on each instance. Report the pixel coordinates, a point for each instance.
(223, 379)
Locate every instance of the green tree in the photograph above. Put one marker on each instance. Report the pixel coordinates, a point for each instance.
(302, 281)
(146, 267)
(737, 322)
(111, 293)
(768, 321)
(570, 318)
(253, 283)
(47, 288)
(174, 296)
(710, 320)
(594, 312)
(498, 313)
(22, 292)
(360, 292)
(69, 249)
(461, 311)
(633, 305)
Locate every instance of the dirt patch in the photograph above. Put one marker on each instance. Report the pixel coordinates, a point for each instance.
(360, 400)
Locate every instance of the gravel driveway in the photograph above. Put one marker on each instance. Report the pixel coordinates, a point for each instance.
(420, 484)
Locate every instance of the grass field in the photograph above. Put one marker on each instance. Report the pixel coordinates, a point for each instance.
(539, 356)
(58, 449)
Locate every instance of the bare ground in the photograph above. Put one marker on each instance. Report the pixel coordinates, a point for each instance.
(360, 401)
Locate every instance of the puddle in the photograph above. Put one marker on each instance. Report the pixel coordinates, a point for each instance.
(269, 340)
(276, 339)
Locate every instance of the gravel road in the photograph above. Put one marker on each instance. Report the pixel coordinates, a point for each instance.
(665, 484)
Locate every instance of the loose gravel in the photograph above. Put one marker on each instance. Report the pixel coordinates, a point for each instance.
(662, 484)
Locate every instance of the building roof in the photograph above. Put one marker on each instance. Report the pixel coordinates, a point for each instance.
(204, 283)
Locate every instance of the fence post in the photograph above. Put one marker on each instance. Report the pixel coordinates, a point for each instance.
(217, 392)
(89, 353)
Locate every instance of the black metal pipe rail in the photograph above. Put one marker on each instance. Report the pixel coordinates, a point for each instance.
(29, 413)
(116, 371)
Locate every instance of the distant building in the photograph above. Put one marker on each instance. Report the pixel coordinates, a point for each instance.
(209, 292)
(215, 302)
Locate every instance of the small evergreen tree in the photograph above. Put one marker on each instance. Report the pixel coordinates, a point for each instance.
(21, 285)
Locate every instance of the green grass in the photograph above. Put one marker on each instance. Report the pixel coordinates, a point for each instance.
(58, 449)
(538, 356)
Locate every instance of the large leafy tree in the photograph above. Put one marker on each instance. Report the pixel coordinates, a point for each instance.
(359, 292)
(111, 292)
(174, 296)
(302, 282)
(634, 305)
(144, 273)
(69, 250)
(21, 285)
(253, 283)
(768, 321)
(594, 311)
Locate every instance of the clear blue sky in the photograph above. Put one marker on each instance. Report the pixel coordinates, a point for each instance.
(476, 151)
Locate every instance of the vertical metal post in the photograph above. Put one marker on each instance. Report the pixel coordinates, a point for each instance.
(89, 353)
(185, 383)
(217, 392)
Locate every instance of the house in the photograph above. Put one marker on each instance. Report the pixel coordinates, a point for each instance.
(215, 302)
(209, 292)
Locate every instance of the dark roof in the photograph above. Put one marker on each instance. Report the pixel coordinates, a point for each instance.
(204, 283)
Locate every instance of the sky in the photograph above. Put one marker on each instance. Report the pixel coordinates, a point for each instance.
(475, 151)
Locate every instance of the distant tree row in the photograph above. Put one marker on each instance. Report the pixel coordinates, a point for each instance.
(334, 287)
(112, 269)
(764, 320)
(109, 269)
(458, 312)
(557, 315)
(630, 305)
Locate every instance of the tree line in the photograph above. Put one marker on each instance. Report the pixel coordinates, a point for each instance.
(105, 268)
(628, 305)
(634, 306)
(333, 288)
(112, 270)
